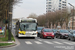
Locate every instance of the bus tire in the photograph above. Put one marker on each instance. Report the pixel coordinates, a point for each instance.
(16, 36)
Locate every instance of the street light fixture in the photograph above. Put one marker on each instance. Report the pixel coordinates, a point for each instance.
(73, 14)
(70, 4)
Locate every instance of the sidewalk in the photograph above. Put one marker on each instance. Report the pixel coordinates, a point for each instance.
(15, 43)
(7, 43)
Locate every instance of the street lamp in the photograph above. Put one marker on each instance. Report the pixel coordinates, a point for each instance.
(73, 14)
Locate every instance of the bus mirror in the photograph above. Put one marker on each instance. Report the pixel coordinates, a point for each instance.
(16, 23)
(37, 23)
(20, 29)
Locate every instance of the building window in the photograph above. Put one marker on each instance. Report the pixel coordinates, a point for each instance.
(59, 3)
(49, 2)
(60, 0)
(59, 8)
(49, 5)
(63, 7)
(64, 4)
(46, 11)
(46, 2)
(49, 8)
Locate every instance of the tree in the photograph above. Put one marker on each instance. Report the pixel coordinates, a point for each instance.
(4, 8)
(32, 15)
(54, 17)
(41, 20)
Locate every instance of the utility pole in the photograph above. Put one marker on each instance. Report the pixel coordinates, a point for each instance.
(5, 24)
(72, 16)
(10, 20)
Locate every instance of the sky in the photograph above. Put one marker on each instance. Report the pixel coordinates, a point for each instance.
(28, 7)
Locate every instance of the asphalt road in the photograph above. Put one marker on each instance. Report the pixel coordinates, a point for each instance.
(42, 44)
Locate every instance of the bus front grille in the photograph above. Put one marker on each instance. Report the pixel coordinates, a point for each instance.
(28, 34)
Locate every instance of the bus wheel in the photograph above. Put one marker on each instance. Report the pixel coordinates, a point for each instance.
(16, 36)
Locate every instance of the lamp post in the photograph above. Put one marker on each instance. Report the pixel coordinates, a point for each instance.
(73, 14)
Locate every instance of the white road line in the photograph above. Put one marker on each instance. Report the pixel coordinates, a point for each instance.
(48, 42)
(73, 42)
(57, 42)
(28, 42)
(39, 39)
(68, 43)
(37, 42)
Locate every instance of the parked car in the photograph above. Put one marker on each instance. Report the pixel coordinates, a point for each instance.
(47, 33)
(54, 31)
(69, 30)
(62, 34)
(39, 30)
(71, 36)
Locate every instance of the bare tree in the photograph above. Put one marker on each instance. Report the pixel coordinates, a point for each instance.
(32, 15)
(54, 17)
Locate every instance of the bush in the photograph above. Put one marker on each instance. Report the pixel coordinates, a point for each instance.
(6, 39)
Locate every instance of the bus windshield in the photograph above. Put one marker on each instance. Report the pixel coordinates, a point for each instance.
(28, 26)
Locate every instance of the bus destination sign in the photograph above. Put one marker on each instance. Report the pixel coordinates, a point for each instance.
(30, 21)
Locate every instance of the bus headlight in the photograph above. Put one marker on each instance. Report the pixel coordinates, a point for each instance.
(37, 32)
(20, 33)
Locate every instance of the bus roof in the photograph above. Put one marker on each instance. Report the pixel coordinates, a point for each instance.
(27, 19)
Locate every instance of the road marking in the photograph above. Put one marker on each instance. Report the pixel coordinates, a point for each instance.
(28, 42)
(57, 42)
(60, 39)
(73, 42)
(48, 42)
(68, 43)
(39, 39)
(37, 42)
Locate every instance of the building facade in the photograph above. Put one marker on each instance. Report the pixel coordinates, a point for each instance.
(53, 5)
(70, 23)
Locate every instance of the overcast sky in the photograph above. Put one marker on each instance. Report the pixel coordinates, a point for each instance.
(27, 7)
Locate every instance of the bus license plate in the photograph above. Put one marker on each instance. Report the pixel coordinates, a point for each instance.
(27, 35)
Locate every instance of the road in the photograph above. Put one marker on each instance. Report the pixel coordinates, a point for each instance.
(42, 44)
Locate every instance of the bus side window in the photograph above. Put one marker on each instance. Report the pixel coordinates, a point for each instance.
(16, 23)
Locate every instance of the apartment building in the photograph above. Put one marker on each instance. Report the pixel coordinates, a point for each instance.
(53, 5)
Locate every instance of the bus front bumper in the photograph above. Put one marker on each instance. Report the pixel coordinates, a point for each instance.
(27, 35)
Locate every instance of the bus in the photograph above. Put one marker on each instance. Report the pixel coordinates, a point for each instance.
(26, 27)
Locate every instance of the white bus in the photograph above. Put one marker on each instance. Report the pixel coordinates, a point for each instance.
(26, 28)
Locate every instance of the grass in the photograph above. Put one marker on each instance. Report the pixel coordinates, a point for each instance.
(5, 44)
(6, 39)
